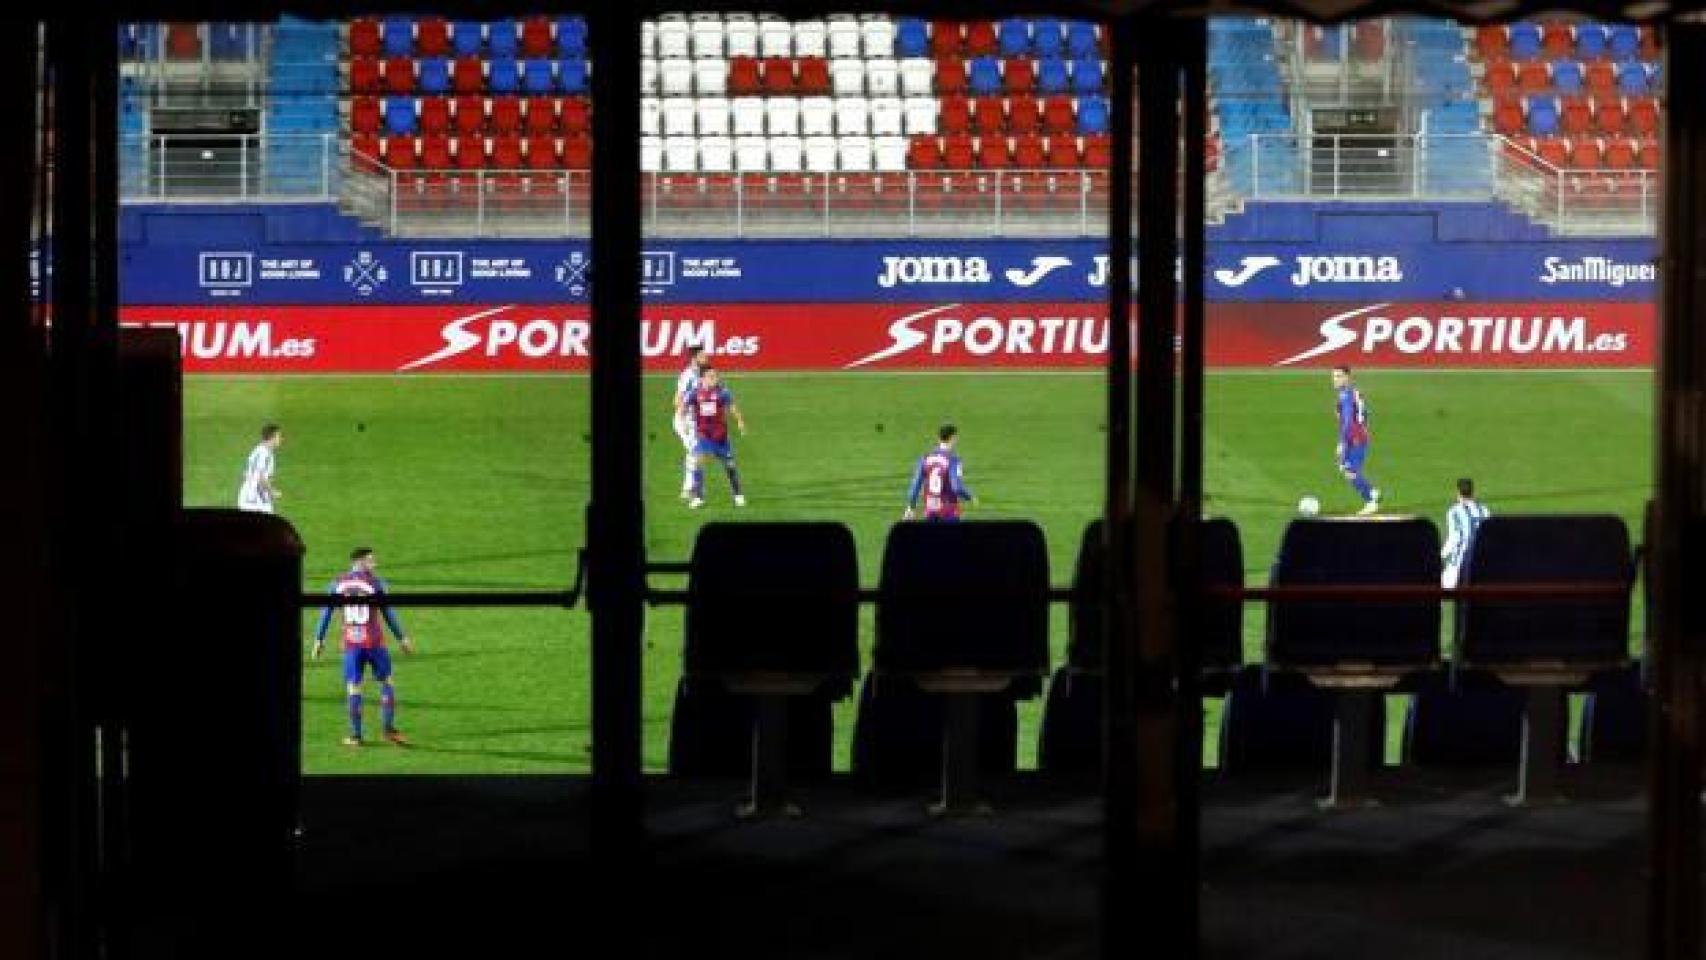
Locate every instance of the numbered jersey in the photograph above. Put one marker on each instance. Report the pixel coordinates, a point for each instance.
(709, 409)
(941, 486)
(362, 630)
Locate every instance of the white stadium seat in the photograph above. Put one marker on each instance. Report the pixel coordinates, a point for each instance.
(847, 77)
(648, 39)
(711, 76)
(855, 154)
(775, 39)
(680, 155)
(752, 154)
(716, 154)
(713, 116)
(649, 111)
(708, 38)
(888, 118)
(882, 77)
(651, 154)
(821, 154)
(890, 154)
(782, 116)
(679, 118)
(844, 40)
(748, 116)
(917, 76)
(853, 116)
(811, 38)
(673, 39)
(921, 113)
(878, 37)
(785, 154)
(741, 38)
(675, 77)
(649, 76)
(817, 116)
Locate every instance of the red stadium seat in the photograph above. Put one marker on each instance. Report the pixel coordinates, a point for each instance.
(980, 38)
(576, 115)
(1644, 115)
(541, 116)
(183, 41)
(577, 152)
(994, 153)
(946, 38)
(471, 152)
(432, 36)
(539, 153)
(365, 76)
(1534, 76)
(435, 115)
(468, 75)
(1608, 114)
(1023, 114)
(506, 152)
(400, 75)
(536, 37)
(1492, 41)
(778, 75)
(470, 115)
(1368, 40)
(1577, 116)
(1652, 156)
(813, 76)
(1601, 77)
(989, 115)
(1501, 77)
(506, 115)
(435, 152)
(1058, 116)
(1620, 154)
(1586, 153)
(950, 76)
(924, 153)
(1508, 118)
(957, 152)
(364, 150)
(1063, 151)
(954, 115)
(1029, 152)
(400, 153)
(1019, 75)
(1554, 151)
(743, 77)
(1558, 39)
(364, 115)
(1649, 44)
(364, 37)
(1098, 151)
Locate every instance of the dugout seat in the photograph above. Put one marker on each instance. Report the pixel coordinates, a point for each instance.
(962, 633)
(1356, 650)
(1070, 746)
(1614, 716)
(1459, 721)
(772, 640)
(1547, 648)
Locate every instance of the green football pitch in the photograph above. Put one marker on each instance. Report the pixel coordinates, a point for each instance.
(481, 483)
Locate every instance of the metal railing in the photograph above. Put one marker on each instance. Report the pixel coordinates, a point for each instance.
(251, 167)
(1575, 200)
(1372, 167)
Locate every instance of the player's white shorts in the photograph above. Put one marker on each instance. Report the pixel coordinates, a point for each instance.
(1448, 578)
(254, 501)
(684, 430)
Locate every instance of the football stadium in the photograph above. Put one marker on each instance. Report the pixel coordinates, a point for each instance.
(850, 582)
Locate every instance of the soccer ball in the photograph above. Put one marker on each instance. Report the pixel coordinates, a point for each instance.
(1309, 506)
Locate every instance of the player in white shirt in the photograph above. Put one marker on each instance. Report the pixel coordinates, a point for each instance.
(1462, 522)
(684, 385)
(257, 492)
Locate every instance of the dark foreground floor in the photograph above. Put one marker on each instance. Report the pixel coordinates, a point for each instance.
(488, 867)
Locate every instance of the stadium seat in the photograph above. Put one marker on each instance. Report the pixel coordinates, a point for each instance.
(716, 154)
(1507, 118)
(1545, 647)
(470, 115)
(434, 75)
(503, 75)
(1590, 41)
(679, 117)
(674, 39)
(1092, 115)
(1615, 716)
(1644, 116)
(364, 115)
(1577, 116)
(853, 154)
(675, 77)
(706, 40)
(980, 39)
(572, 76)
(435, 115)
(468, 75)
(751, 154)
(746, 116)
(775, 39)
(1567, 77)
(541, 115)
(817, 116)
(575, 114)
(771, 641)
(399, 153)
(397, 36)
(536, 37)
(820, 154)
(1358, 650)
(1500, 77)
(813, 76)
(1601, 77)
(1624, 42)
(844, 41)
(924, 153)
(651, 154)
(777, 76)
(741, 39)
(400, 75)
(1018, 76)
(847, 77)
(1557, 39)
(852, 117)
(985, 77)
(1029, 152)
(787, 154)
(882, 78)
(1632, 79)
(651, 116)
(713, 116)
(1462, 721)
(1586, 153)
(435, 152)
(1524, 41)
(1063, 152)
(994, 152)
(571, 37)
(711, 76)
(680, 154)
(432, 36)
(889, 154)
(366, 76)
(962, 632)
(1087, 75)
(782, 116)
(1013, 37)
(1098, 152)
(1609, 116)
(887, 117)
(1052, 76)
(951, 77)
(918, 78)
(1277, 728)
(958, 152)
(505, 115)
(1619, 154)
(811, 39)
(743, 78)
(947, 39)
(470, 153)
(399, 116)
(911, 38)
(467, 38)
(364, 37)
(1542, 116)
(1651, 155)
(1082, 39)
(1024, 114)
(1533, 76)
(1058, 116)
(989, 115)
(1554, 150)
(922, 115)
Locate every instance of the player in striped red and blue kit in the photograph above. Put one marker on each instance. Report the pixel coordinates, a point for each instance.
(940, 477)
(710, 405)
(1352, 449)
(364, 643)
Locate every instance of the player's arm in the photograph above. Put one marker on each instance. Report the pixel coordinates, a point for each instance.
(1452, 536)
(961, 491)
(325, 623)
(913, 489)
(740, 419)
(1346, 415)
(393, 624)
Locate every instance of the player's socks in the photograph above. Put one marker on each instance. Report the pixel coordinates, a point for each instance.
(355, 715)
(1364, 489)
(687, 475)
(698, 483)
(388, 707)
(734, 480)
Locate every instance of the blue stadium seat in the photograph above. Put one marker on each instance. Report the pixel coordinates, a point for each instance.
(1590, 41)
(571, 37)
(397, 35)
(1014, 37)
(1525, 41)
(985, 77)
(1046, 37)
(1279, 727)
(1567, 77)
(1092, 115)
(505, 40)
(1614, 717)
(1464, 721)
(1542, 116)
(434, 76)
(1081, 39)
(571, 75)
(1632, 79)
(467, 37)
(137, 40)
(911, 37)
(1052, 76)
(399, 113)
(1625, 41)
(1087, 75)
(536, 76)
(504, 75)
(229, 41)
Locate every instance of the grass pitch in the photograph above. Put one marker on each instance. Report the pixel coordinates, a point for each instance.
(481, 483)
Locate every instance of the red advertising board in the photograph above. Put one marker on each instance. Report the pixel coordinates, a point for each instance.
(874, 336)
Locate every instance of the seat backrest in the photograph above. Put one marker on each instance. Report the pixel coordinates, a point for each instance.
(716, 154)
(963, 595)
(1585, 548)
(889, 154)
(1334, 552)
(854, 153)
(786, 154)
(752, 154)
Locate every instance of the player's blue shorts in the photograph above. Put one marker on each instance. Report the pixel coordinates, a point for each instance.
(1354, 456)
(721, 449)
(356, 658)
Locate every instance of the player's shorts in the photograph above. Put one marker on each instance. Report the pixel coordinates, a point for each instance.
(355, 658)
(254, 501)
(1448, 578)
(721, 449)
(1354, 457)
(941, 518)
